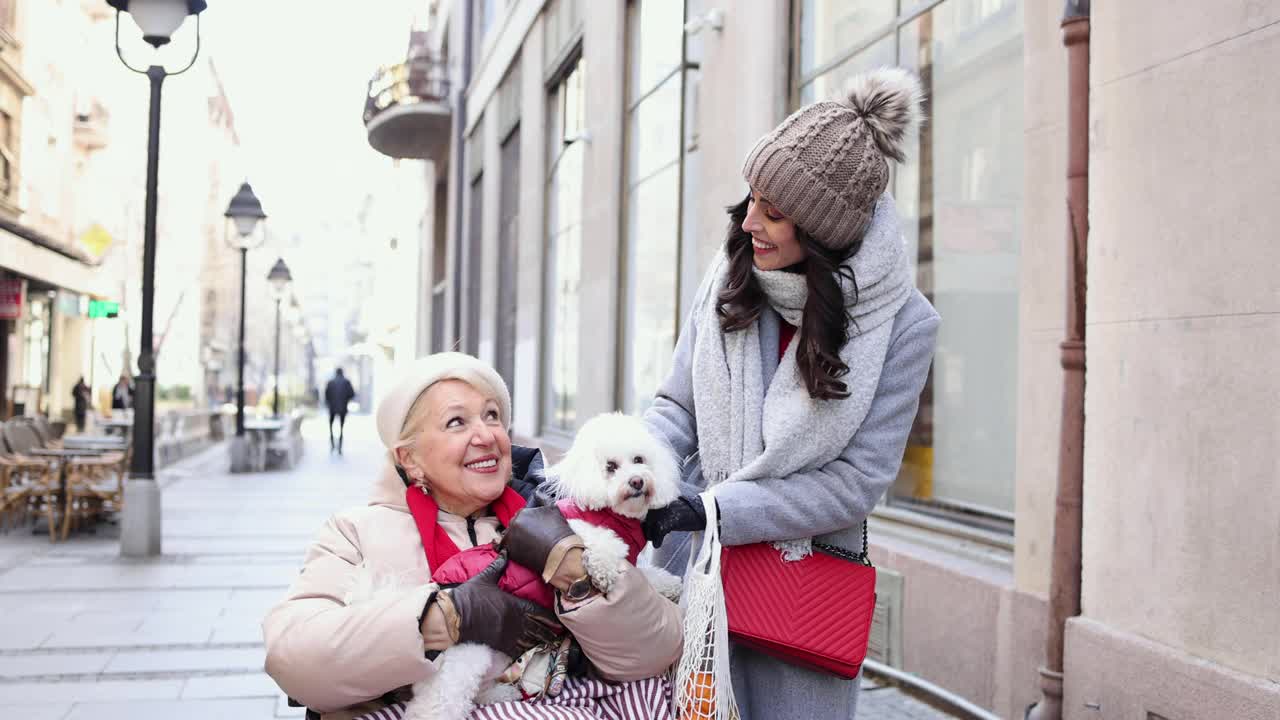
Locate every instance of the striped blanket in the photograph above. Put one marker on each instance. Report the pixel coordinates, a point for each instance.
(582, 699)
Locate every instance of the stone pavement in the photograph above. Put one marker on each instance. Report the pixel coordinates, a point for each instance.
(882, 701)
(86, 634)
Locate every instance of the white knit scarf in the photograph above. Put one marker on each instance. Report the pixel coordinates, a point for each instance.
(749, 432)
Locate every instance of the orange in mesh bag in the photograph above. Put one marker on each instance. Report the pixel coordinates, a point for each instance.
(699, 698)
(703, 686)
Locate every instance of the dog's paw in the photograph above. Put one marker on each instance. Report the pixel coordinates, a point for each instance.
(605, 556)
(667, 585)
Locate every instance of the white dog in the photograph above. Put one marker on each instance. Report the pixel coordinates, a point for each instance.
(615, 473)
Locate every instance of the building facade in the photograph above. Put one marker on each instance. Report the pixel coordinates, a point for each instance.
(52, 262)
(71, 221)
(579, 157)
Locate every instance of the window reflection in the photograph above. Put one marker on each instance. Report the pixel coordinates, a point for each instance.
(960, 197)
(564, 241)
(832, 28)
(652, 260)
(960, 194)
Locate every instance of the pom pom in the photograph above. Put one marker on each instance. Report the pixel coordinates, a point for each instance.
(888, 101)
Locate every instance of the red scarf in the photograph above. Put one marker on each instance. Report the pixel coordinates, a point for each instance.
(435, 541)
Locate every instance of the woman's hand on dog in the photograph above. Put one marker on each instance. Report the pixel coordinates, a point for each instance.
(483, 613)
(540, 539)
(685, 514)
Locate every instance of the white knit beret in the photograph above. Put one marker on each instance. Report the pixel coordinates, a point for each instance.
(393, 408)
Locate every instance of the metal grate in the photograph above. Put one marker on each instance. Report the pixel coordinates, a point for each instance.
(885, 645)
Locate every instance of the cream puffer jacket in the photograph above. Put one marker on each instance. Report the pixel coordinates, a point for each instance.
(335, 657)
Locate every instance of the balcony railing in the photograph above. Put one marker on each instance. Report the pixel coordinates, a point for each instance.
(423, 78)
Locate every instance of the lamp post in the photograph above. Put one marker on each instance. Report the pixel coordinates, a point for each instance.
(140, 533)
(279, 278)
(245, 211)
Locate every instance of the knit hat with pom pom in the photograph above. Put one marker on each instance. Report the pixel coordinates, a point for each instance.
(827, 164)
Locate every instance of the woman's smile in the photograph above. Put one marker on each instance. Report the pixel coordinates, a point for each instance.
(761, 247)
(487, 465)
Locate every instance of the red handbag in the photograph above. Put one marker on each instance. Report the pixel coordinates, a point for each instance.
(814, 612)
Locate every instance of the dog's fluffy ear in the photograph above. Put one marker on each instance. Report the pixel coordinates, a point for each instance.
(580, 473)
(666, 473)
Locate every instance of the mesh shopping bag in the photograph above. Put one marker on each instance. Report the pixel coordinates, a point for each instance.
(703, 686)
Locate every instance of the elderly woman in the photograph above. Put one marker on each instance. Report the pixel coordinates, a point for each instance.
(449, 485)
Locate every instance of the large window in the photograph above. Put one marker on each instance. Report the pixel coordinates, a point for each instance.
(8, 159)
(960, 197)
(508, 225)
(564, 241)
(474, 266)
(652, 259)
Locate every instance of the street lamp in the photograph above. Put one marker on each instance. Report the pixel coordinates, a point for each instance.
(140, 534)
(245, 211)
(279, 278)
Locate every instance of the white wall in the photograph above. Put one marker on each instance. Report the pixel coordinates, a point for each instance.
(1183, 397)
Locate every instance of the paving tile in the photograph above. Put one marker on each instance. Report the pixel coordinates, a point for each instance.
(195, 633)
(11, 602)
(176, 618)
(238, 628)
(97, 577)
(43, 711)
(23, 638)
(250, 709)
(177, 636)
(106, 621)
(887, 702)
(34, 619)
(19, 692)
(285, 545)
(75, 602)
(231, 686)
(183, 599)
(255, 601)
(41, 664)
(250, 660)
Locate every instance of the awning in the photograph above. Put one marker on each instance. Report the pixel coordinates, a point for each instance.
(24, 257)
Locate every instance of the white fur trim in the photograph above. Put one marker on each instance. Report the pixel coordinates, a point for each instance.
(499, 693)
(450, 693)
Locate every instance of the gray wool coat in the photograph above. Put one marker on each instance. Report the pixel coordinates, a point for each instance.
(828, 504)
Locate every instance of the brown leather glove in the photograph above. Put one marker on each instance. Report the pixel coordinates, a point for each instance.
(485, 614)
(538, 539)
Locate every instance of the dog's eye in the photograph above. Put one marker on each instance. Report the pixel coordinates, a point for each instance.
(638, 460)
(611, 467)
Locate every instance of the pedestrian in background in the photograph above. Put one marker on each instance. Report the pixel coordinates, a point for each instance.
(122, 393)
(337, 393)
(796, 379)
(80, 396)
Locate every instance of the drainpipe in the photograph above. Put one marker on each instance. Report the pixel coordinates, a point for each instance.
(1064, 587)
(460, 171)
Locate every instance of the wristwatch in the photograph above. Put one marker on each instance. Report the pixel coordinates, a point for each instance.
(579, 589)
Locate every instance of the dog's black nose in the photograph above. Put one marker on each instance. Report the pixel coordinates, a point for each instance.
(636, 483)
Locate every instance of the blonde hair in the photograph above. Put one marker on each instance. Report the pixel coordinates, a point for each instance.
(415, 419)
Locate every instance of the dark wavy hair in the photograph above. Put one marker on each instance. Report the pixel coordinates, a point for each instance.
(824, 328)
